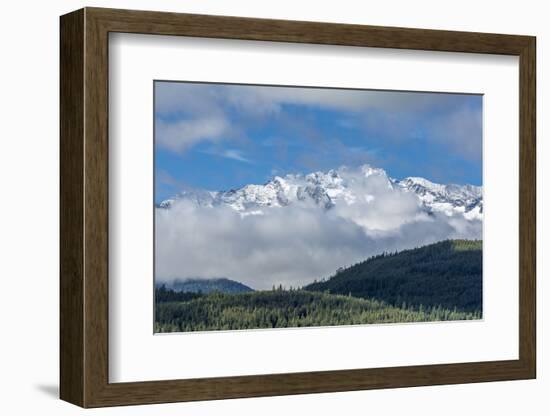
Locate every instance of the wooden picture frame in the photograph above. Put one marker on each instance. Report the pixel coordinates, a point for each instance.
(84, 207)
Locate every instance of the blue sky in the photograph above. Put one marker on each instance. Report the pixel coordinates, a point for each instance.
(220, 136)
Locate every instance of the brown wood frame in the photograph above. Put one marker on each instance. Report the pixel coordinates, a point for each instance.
(84, 207)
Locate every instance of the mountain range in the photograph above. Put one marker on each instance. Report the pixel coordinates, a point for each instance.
(337, 187)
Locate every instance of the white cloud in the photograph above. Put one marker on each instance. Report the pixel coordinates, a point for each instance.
(235, 155)
(232, 154)
(181, 135)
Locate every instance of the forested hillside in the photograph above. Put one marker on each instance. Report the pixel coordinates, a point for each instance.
(447, 274)
(438, 282)
(282, 309)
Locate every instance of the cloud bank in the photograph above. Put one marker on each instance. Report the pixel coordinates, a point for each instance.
(296, 244)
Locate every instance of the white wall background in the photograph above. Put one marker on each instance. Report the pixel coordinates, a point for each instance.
(29, 206)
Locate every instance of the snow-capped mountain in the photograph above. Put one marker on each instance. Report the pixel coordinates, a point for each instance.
(452, 198)
(339, 186)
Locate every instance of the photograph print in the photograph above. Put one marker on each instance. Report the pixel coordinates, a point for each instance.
(288, 206)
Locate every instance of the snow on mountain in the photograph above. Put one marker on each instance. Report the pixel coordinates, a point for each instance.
(449, 199)
(339, 187)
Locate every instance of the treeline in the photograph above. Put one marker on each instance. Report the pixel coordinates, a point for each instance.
(446, 274)
(283, 309)
(162, 294)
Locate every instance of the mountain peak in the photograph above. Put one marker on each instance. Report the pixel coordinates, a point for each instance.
(368, 170)
(414, 180)
(203, 285)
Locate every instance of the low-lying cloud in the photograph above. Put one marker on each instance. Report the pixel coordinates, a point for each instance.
(297, 244)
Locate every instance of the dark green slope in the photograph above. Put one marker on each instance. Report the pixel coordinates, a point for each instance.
(447, 274)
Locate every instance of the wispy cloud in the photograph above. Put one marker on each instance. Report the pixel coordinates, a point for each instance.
(232, 154)
(235, 155)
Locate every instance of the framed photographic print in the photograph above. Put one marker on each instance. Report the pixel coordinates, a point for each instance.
(255, 207)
